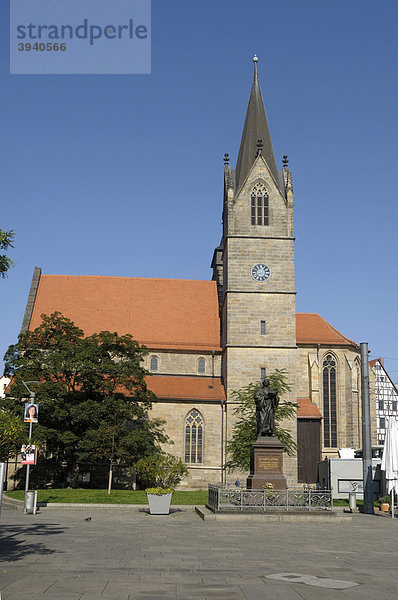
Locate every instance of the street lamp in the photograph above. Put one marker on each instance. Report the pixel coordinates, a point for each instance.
(32, 397)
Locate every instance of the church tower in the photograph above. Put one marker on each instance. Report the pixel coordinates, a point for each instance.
(254, 265)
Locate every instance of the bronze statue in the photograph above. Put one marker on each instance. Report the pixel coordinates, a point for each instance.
(267, 401)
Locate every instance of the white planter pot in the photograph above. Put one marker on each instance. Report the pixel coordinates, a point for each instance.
(159, 505)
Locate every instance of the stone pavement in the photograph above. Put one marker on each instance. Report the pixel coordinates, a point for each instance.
(131, 555)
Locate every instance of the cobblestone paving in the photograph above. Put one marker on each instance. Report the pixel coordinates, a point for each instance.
(123, 555)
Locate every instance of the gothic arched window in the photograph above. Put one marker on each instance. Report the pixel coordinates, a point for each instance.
(194, 437)
(154, 365)
(259, 205)
(201, 365)
(358, 374)
(329, 402)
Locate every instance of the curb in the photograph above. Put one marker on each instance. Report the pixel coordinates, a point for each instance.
(12, 503)
(208, 515)
(15, 504)
(135, 507)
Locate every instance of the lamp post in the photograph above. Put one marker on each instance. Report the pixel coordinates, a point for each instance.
(366, 433)
(32, 397)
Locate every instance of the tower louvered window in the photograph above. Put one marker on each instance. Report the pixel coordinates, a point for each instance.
(329, 402)
(259, 205)
(194, 437)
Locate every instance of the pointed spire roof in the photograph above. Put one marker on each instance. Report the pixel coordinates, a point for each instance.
(255, 128)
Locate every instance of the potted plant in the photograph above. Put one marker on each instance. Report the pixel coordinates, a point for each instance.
(160, 472)
(159, 500)
(385, 504)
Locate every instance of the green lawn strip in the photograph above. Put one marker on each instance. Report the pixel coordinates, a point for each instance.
(102, 496)
(343, 502)
(82, 496)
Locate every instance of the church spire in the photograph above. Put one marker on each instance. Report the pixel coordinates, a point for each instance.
(255, 132)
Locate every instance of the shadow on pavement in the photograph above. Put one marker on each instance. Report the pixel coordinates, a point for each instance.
(15, 543)
(172, 511)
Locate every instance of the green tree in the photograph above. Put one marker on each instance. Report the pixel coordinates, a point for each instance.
(6, 239)
(12, 434)
(244, 431)
(93, 399)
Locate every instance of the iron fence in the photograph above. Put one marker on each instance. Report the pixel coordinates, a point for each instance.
(291, 499)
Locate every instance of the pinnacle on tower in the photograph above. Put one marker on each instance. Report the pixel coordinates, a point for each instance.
(255, 128)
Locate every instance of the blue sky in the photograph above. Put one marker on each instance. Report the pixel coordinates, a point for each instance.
(123, 174)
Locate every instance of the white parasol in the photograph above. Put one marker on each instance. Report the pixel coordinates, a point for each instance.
(389, 462)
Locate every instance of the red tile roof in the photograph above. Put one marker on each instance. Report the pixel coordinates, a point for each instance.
(186, 388)
(307, 410)
(311, 328)
(160, 313)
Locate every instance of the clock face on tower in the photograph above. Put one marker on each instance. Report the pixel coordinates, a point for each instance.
(260, 272)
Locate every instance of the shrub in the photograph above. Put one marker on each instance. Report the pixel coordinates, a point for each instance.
(160, 470)
(159, 491)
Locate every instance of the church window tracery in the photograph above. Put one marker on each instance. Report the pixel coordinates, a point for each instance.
(259, 205)
(194, 437)
(329, 402)
(201, 365)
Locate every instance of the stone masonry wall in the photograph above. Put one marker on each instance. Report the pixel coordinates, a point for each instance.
(175, 413)
(244, 367)
(277, 254)
(184, 363)
(278, 216)
(348, 392)
(246, 311)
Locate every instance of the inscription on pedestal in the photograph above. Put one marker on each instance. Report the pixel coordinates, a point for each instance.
(268, 463)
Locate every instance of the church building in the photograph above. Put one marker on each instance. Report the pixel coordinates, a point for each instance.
(208, 338)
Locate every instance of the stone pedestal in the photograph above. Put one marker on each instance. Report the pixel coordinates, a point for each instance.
(266, 464)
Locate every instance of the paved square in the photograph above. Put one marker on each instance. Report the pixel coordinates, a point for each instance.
(129, 555)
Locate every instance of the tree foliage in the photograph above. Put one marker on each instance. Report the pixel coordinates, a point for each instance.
(92, 396)
(12, 434)
(6, 239)
(244, 431)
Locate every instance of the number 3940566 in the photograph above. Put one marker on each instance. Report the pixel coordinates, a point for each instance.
(41, 47)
